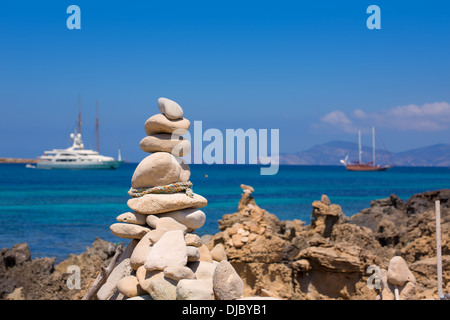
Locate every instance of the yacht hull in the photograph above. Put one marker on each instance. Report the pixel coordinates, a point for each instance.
(73, 165)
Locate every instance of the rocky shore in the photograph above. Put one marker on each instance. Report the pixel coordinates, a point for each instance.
(333, 257)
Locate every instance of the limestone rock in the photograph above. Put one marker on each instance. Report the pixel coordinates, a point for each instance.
(156, 284)
(128, 231)
(398, 272)
(170, 108)
(132, 217)
(159, 169)
(218, 252)
(192, 218)
(142, 250)
(192, 253)
(340, 258)
(194, 289)
(170, 250)
(193, 239)
(202, 269)
(205, 254)
(178, 272)
(129, 287)
(143, 297)
(159, 123)
(164, 224)
(17, 294)
(227, 284)
(151, 220)
(161, 203)
(325, 216)
(165, 142)
(408, 291)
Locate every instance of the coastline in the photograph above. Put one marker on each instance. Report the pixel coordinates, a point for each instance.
(324, 260)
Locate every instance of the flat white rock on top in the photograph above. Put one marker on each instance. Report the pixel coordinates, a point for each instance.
(170, 108)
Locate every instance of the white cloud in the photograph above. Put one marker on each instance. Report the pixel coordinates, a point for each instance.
(359, 114)
(338, 119)
(428, 117)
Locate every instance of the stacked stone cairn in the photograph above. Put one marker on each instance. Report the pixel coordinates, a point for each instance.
(166, 259)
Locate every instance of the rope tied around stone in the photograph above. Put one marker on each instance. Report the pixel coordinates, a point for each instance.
(169, 188)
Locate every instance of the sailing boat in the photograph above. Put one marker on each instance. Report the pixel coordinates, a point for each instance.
(359, 165)
(76, 156)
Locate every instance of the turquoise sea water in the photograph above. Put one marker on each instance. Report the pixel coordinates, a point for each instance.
(58, 212)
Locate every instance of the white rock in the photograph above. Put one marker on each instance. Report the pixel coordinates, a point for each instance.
(129, 287)
(205, 254)
(156, 284)
(193, 239)
(151, 220)
(143, 297)
(202, 269)
(218, 252)
(170, 108)
(398, 272)
(128, 231)
(165, 224)
(170, 250)
(162, 203)
(194, 290)
(192, 218)
(192, 253)
(178, 273)
(227, 284)
(142, 250)
(159, 169)
(166, 142)
(132, 217)
(159, 123)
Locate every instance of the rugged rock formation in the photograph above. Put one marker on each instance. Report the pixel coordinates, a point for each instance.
(330, 257)
(22, 277)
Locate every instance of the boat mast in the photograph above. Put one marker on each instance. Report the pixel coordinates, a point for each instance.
(96, 126)
(373, 146)
(359, 145)
(79, 114)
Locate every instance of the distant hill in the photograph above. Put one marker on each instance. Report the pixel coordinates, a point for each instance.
(331, 153)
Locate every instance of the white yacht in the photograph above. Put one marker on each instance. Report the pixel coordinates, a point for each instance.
(76, 157)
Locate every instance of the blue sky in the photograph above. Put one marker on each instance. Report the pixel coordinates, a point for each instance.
(311, 69)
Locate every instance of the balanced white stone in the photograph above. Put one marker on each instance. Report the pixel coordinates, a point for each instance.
(159, 169)
(165, 142)
(170, 250)
(128, 231)
(161, 203)
(170, 108)
(192, 218)
(132, 217)
(159, 123)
